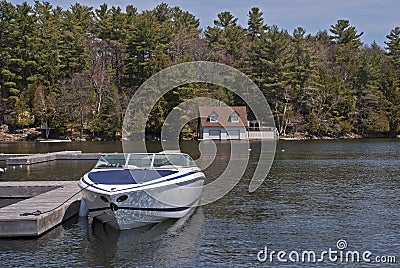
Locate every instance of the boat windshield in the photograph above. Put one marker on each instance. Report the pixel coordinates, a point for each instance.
(142, 161)
(172, 160)
(111, 161)
(139, 160)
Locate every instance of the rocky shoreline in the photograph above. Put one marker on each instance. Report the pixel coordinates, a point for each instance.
(26, 134)
(34, 134)
(307, 136)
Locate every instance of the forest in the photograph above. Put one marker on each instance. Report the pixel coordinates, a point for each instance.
(76, 70)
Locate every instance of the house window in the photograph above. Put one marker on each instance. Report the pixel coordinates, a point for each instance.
(254, 126)
(234, 117)
(213, 117)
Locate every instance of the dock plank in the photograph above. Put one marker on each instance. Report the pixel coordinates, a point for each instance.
(30, 159)
(58, 200)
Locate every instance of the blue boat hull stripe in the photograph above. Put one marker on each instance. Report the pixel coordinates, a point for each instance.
(174, 209)
(143, 209)
(143, 185)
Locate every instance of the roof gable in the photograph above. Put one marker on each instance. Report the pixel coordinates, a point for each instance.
(213, 117)
(224, 113)
(234, 117)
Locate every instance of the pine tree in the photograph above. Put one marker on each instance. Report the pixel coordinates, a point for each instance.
(391, 80)
(371, 103)
(255, 23)
(348, 45)
(393, 46)
(8, 81)
(22, 61)
(256, 31)
(225, 20)
(306, 79)
(305, 60)
(140, 44)
(186, 40)
(103, 22)
(391, 91)
(47, 48)
(276, 56)
(76, 26)
(344, 34)
(227, 39)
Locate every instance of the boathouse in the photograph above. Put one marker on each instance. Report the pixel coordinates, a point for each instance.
(230, 123)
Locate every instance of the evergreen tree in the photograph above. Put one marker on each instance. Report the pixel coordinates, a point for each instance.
(225, 20)
(276, 55)
(391, 80)
(393, 46)
(348, 44)
(76, 26)
(344, 34)
(103, 22)
(391, 91)
(22, 49)
(256, 30)
(371, 103)
(8, 74)
(305, 60)
(227, 39)
(47, 44)
(255, 22)
(186, 38)
(305, 80)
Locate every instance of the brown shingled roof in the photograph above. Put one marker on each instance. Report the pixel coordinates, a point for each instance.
(223, 112)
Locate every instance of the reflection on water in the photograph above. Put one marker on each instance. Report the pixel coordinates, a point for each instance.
(78, 243)
(170, 243)
(316, 193)
(60, 170)
(53, 170)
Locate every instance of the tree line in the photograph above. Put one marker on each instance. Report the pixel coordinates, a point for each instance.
(76, 69)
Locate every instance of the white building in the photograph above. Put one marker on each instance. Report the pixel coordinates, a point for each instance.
(230, 123)
(223, 122)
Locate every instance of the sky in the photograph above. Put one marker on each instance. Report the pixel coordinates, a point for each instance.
(373, 17)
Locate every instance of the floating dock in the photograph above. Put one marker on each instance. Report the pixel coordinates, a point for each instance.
(56, 200)
(29, 159)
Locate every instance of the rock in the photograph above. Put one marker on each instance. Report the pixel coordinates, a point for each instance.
(19, 135)
(4, 128)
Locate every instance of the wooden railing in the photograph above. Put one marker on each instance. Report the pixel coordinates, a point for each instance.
(258, 133)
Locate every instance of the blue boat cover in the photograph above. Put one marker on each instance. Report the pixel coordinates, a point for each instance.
(126, 176)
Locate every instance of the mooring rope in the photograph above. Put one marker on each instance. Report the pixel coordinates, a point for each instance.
(38, 212)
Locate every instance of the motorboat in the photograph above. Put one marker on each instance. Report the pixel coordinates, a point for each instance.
(55, 140)
(136, 189)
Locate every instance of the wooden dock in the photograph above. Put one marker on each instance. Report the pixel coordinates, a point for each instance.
(29, 159)
(52, 198)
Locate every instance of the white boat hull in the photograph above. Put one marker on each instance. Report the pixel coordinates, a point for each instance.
(54, 141)
(133, 206)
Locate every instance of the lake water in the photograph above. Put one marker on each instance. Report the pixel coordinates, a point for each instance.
(317, 192)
